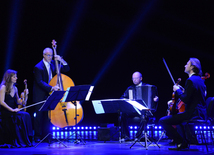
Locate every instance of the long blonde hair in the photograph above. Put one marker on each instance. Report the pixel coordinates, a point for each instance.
(7, 79)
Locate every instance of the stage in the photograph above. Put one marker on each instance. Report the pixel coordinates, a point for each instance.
(105, 148)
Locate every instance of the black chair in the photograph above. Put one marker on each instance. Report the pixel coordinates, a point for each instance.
(188, 126)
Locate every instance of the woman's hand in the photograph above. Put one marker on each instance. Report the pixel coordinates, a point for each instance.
(16, 110)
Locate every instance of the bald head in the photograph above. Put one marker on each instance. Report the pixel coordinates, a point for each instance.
(137, 78)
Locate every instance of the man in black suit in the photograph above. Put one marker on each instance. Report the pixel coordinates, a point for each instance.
(194, 99)
(43, 73)
(137, 81)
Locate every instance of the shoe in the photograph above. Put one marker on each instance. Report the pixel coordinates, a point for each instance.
(181, 147)
(172, 142)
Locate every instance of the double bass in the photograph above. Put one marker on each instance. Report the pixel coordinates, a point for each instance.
(65, 113)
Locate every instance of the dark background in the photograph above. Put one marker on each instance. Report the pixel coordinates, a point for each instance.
(105, 41)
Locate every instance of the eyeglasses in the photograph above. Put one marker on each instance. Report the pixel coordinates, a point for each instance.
(48, 55)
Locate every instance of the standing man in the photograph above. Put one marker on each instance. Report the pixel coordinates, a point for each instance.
(43, 73)
(194, 99)
(137, 81)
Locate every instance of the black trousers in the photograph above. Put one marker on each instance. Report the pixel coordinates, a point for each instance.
(167, 123)
(41, 123)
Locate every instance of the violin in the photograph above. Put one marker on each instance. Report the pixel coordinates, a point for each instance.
(24, 97)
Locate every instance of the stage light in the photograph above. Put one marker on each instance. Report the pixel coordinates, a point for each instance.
(160, 127)
(34, 115)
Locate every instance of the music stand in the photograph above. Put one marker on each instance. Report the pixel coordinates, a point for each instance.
(50, 104)
(117, 106)
(78, 93)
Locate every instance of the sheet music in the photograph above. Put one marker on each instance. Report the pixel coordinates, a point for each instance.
(89, 93)
(98, 107)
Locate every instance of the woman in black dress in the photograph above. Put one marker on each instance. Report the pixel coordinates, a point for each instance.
(15, 126)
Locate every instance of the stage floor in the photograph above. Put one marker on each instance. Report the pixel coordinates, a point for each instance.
(105, 148)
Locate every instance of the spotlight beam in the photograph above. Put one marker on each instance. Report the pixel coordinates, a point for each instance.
(140, 17)
(69, 33)
(12, 35)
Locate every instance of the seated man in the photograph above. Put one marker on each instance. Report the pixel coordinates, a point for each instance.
(194, 99)
(137, 81)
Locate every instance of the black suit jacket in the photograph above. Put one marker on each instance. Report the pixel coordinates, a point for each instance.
(41, 87)
(193, 97)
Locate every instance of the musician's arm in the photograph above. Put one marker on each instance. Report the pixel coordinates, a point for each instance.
(2, 100)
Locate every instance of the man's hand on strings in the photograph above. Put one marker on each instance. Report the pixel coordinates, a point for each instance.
(59, 58)
(55, 88)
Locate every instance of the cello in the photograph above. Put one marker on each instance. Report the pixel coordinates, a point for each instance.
(177, 105)
(65, 113)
